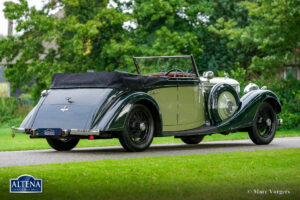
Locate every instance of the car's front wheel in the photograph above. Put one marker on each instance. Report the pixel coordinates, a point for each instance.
(65, 144)
(195, 139)
(265, 124)
(139, 129)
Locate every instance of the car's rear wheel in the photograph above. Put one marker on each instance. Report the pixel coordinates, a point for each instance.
(139, 129)
(265, 125)
(62, 144)
(195, 139)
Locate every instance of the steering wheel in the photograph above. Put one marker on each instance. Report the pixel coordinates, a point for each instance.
(176, 69)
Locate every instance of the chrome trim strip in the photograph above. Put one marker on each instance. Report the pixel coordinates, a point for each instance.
(18, 130)
(84, 132)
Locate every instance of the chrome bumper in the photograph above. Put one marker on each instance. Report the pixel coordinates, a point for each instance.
(84, 132)
(18, 130)
(65, 132)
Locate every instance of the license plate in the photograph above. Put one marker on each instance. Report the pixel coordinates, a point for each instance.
(49, 131)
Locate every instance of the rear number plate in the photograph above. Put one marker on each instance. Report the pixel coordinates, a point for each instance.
(49, 131)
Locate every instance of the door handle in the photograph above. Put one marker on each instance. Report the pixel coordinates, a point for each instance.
(153, 92)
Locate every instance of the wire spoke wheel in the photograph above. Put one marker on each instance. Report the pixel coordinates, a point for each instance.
(263, 123)
(264, 127)
(139, 129)
(138, 126)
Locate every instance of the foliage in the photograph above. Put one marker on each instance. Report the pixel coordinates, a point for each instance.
(92, 36)
(13, 110)
(270, 38)
(89, 37)
(288, 92)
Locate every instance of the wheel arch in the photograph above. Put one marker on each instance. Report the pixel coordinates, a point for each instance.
(155, 114)
(274, 103)
(250, 103)
(213, 97)
(114, 118)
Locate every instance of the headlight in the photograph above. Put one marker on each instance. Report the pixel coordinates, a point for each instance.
(250, 87)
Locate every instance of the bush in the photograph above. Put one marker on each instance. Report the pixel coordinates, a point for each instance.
(288, 91)
(13, 110)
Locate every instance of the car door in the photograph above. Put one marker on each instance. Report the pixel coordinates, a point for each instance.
(166, 95)
(190, 103)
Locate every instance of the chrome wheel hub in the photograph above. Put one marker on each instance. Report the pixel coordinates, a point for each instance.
(230, 107)
(268, 122)
(142, 126)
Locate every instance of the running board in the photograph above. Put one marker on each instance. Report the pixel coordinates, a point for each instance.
(202, 130)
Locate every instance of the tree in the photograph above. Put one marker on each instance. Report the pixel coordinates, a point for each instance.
(89, 37)
(186, 27)
(269, 40)
(255, 36)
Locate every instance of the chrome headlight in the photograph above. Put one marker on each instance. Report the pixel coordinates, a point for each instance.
(250, 87)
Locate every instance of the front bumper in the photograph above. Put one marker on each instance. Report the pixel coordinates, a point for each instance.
(279, 122)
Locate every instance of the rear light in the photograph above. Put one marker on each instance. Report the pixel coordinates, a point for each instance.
(91, 137)
(33, 132)
(64, 133)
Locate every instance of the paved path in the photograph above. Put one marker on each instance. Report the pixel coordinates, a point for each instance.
(34, 157)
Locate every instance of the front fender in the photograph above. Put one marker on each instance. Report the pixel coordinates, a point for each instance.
(250, 102)
(115, 117)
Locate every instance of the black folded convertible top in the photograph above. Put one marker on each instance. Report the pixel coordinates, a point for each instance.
(116, 80)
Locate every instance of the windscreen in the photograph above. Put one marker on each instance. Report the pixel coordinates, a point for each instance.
(163, 64)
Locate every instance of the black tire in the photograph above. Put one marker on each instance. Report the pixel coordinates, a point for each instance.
(133, 138)
(262, 133)
(62, 144)
(195, 139)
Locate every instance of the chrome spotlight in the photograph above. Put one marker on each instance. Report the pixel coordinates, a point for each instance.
(208, 74)
(250, 87)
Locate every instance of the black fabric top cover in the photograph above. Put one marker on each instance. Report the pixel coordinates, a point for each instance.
(116, 80)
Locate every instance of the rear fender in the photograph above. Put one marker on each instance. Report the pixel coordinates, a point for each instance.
(250, 102)
(115, 117)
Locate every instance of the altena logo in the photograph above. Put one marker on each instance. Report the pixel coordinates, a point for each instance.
(26, 184)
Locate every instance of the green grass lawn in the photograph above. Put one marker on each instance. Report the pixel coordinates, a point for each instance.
(208, 176)
(22, 141)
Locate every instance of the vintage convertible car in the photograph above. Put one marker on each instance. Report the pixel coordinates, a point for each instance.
(167, 97)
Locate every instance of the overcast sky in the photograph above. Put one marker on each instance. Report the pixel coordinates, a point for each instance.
(3, 22)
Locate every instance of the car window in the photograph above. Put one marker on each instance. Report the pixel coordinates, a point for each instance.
(163, 64)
